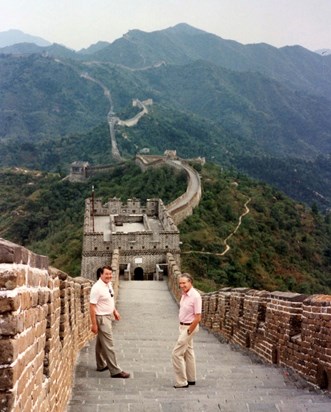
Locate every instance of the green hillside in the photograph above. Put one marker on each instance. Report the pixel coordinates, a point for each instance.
(41, 97)
(305, 180)
(295, 66)
(279, 245)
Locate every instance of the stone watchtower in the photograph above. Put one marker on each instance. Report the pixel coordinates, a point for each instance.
(142, 235)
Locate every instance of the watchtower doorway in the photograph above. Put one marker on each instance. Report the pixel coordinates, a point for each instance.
(138, 274)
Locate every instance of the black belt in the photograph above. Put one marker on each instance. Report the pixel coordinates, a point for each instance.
(186, 324)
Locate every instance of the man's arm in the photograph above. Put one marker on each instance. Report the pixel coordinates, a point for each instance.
(196, 321)
(94, 327)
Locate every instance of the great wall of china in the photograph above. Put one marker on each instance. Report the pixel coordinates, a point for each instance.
(44, 320)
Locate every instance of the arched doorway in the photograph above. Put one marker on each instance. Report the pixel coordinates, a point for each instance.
(138, 274)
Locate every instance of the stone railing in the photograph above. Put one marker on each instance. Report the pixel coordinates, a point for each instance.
(282, 328)
(44, 322)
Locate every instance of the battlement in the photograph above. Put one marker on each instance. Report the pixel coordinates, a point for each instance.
(44, 322)
(142, 234)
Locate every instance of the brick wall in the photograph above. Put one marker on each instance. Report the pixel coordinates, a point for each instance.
(44, 322)
(283, 328)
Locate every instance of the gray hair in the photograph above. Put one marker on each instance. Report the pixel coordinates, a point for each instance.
(187, 276)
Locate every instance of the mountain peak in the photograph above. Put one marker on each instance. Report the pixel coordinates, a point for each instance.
(14, 36)
(184, 28)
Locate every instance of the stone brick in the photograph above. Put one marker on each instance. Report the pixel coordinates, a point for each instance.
(10, 325)
(11, 278)
(9, 350)
(43, 296)
(12, 253)
(6, 401)
(7, 380)
(8, 304)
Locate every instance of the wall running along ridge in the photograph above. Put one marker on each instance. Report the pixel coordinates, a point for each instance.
(44, 322)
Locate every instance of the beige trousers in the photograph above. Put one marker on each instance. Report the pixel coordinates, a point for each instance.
(183, 358)
(104, 348)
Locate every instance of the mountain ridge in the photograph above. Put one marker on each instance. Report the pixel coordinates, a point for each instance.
(264, 101)
(182, 43)
(15, 36)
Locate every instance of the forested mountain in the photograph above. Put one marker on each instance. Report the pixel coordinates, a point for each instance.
(254, 110)
(255, 107)
(183, 44)
(280, 244)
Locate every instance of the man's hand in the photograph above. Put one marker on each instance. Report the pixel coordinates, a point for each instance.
(94, 328)
(116, 315)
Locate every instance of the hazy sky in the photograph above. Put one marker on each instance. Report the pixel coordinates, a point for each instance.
(80, 23)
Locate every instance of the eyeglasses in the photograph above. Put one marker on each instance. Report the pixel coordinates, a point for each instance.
(111, 293)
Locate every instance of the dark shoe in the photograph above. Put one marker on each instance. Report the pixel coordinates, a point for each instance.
(191, 382)
(123, 375)
(180, 387)
(102, 369)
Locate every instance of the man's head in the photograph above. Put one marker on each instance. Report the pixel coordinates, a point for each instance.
(106, 274)
(185, 282)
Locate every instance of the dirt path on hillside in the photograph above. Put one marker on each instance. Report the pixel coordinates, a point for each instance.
(227, 247)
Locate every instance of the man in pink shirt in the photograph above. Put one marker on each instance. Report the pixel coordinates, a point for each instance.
(183, 358)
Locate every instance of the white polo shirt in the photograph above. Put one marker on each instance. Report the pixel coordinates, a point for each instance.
(101, 297)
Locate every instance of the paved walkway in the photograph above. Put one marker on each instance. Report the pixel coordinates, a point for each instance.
(227, 380)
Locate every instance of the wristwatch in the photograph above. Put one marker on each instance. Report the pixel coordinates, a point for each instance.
(188, 331)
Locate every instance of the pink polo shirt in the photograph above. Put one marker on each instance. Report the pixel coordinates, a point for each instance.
(100, 296)
(190, 305)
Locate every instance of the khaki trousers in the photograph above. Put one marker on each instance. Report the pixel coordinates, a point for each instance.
(183, 358)
(104, 348)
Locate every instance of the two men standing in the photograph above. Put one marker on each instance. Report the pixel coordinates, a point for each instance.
(102, 309)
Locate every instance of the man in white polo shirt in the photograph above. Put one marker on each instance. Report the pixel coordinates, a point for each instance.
(183, 358)
(102, 308)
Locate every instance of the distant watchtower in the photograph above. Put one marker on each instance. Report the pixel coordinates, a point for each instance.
(79, 171)
(142, 235)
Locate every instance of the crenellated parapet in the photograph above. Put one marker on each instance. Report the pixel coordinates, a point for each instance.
(141, 233)
(44, 322)
(282, 328)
